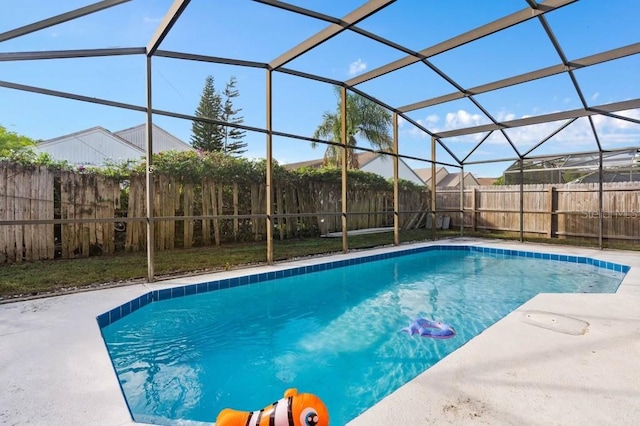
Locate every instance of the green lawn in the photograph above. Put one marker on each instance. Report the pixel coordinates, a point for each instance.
(46, 276)
(49, 276)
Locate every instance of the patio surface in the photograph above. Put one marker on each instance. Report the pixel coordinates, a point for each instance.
(55, 370)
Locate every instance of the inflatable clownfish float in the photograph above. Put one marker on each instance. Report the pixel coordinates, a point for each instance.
(295, 409)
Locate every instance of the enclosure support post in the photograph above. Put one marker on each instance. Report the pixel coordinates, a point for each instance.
(462, 201)
(149, 179)
(343, 134)
(600, 202)
(396, 192)
(269, 171)
(433, 187)
(522, 200)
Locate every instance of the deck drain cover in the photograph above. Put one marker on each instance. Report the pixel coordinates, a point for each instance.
(556, 322)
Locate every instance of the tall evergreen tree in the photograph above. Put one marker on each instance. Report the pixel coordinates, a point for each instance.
(232, 143)
(208, 136)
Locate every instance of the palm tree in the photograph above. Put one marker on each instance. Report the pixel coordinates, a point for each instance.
(365, 119)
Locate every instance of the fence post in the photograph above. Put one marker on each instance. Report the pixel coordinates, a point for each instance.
(553, 219)
(474, 208)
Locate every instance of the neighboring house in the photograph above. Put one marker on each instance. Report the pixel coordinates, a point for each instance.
(444, 179)
(97, 145)
(425, 174)
(486, 181)
(371, 162)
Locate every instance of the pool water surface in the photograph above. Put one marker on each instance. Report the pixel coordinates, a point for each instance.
(335, 333)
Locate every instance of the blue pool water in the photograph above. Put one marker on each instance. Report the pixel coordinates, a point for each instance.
(334, 333)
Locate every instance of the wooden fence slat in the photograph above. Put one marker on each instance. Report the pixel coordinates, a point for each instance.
(214, 208)
(10, 245)
(236, 226)
(4, 215)
(187, 193)
(206, 210)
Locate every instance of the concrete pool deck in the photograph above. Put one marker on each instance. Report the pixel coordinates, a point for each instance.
(55, 370)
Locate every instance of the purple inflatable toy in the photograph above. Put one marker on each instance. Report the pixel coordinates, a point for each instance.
(427, 328)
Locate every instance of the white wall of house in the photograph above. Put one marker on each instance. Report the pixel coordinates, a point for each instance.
(383, 165)
(90, 147)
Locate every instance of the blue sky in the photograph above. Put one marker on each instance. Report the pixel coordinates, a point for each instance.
(252, 31)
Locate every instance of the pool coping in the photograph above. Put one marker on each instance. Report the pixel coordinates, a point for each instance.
(72, 381)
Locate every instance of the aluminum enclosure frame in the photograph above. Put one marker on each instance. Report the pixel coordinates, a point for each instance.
(532, 11)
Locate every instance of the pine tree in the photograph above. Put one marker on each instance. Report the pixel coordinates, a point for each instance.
(208, 136)
(232, 141)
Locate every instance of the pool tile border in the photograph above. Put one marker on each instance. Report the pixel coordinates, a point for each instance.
(125, 309)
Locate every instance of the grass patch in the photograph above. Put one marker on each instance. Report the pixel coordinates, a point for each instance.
(50, 276)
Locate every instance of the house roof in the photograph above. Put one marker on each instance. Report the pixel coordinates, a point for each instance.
(444, 179)
(316, 164)
(486, 181)
(450, 180)
(364, 158)
(142, 127)
(79, 134)
(116, 135)
(425, 173)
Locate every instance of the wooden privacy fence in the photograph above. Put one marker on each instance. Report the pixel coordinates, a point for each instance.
(26, 194)
(568, 210)
(87, 197)
(308, 209)
(36, 193)
(236, 211)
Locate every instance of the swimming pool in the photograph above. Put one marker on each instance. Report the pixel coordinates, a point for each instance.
(334, 332)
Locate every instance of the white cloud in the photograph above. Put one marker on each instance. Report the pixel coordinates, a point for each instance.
(595, 96)
(576, 137)
(462, 118)
(505, 116)
(150, 20)
(433, 118)
(357, 67)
